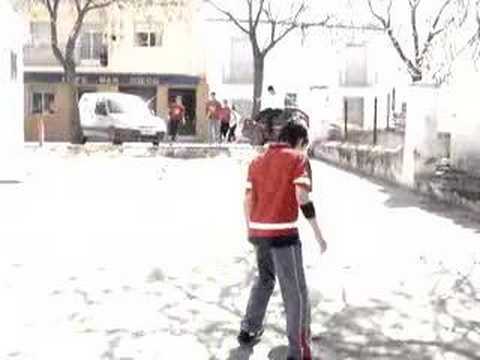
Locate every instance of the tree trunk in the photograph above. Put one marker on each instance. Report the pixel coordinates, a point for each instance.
(259, 65)
(75, 129)
(417, 77)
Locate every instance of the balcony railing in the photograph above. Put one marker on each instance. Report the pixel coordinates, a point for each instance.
(39, 56)
(43, 56)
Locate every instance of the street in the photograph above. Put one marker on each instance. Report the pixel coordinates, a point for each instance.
(113, 256)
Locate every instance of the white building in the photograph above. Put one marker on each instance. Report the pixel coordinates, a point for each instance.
(459, 115)
(11, 91)
(322, 70)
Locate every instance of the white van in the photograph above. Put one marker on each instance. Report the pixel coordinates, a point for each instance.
(118, 117)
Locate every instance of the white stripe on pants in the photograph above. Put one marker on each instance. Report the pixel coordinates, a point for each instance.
(286, 264)
(213, 130)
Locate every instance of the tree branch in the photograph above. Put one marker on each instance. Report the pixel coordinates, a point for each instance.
(324, 23)
(259, 13)
(439, 15)
(413, 20)
(49, 7)
(273, 32)
(383, 21)
(412, 69)
(389, 13)
(53, 12)
(230, 16)
(78, 6)
(74, 34)
(294, 24)
(434, 32)
(250, 15)
(97, 6)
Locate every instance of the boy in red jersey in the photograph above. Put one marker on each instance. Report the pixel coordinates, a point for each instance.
(279, 182)
(176, 114)
(212, 111)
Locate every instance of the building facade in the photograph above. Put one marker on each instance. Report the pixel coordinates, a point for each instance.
(329, 74)
(11, 92)
(136, 51)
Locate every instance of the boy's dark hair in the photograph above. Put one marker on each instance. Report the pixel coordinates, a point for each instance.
(270, 88)
(293, 133)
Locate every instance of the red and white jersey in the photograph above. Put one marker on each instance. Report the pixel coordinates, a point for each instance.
(176, 112)
(272, 178)
(213, 109)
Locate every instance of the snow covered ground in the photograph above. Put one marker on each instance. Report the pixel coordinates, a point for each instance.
(124, 255)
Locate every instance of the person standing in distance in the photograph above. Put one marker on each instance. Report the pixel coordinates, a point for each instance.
(212, 111)
(234, 122)
(278, 185)
(272, 100)
(226, 114)
(176, 114)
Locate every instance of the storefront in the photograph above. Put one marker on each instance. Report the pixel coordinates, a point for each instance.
(45, 97)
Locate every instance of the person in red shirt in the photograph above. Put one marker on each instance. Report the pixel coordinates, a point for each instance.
(279, 183)
(212, 111)
(225, 116)
(176, 114)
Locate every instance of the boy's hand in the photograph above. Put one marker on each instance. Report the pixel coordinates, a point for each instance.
(321, 242)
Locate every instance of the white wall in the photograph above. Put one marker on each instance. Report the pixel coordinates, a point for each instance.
(11, 93)
(461, 117)
(289, 67)
(317, 61)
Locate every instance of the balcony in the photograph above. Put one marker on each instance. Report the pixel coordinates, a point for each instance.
(43, 56)
(39, 56)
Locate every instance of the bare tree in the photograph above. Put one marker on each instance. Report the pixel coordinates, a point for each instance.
(65, 55)
(276, 18)
(81, 9)
(443, 16)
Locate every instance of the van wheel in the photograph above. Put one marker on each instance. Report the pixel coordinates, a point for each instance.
(158, 139)
(116, 138)
(84, 140)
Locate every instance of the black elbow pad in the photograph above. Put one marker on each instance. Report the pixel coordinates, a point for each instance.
(308, 210)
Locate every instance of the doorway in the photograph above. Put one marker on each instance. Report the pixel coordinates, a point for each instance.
(149, 94)
(355, 111)
(190, 103)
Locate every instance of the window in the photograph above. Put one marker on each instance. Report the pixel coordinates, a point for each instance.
(116, 107)
(240, 68)
(13, 66)
(148, 35)
(40, 34)
(90, 45)
(42, 102)
(356, 66)
(101, 108)
(356, 107)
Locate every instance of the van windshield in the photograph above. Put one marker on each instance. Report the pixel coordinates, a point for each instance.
(127, 106)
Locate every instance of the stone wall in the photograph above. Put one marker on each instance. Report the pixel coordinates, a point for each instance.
(452, 185)
(385, 138)
(373, 161)
(443, 183)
